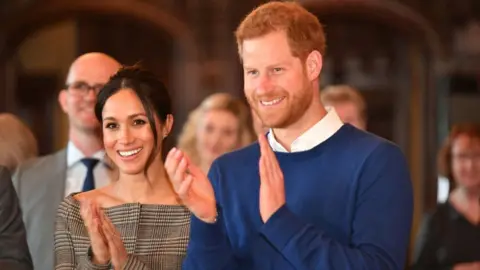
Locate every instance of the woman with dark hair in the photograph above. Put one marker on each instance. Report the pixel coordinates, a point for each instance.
(136, 222)
(450, 236)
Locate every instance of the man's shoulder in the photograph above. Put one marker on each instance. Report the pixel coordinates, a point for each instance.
(39, 167)
(368, 143)
(43, 161)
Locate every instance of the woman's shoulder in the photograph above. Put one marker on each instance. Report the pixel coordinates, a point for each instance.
(440, 215)
(71, 204)
(69, 209)
(100, 197)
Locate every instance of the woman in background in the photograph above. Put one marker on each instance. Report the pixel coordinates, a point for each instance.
(450, 237)
(219, 125)
(136, 222)
(17, 142)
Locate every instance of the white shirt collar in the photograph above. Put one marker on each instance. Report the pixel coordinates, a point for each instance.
(318, 133)
(74, 155)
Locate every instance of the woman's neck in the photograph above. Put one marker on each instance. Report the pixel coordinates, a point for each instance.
(467, 202)
(205, 166)
(151, 189)
(469, 196)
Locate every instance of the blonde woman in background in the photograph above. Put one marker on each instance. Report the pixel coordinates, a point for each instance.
(348, 102)
(17, 142)
(220, 124)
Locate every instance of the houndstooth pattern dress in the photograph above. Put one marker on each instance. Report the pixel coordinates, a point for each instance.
(155, 236)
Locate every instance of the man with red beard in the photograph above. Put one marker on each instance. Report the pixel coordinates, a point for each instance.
(42, 183)
(313, 193)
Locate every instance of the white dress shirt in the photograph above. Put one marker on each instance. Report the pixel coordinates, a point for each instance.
(76, 171)
(318, 133)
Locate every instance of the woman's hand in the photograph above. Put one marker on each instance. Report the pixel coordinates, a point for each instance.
(191, 185)
(116, 248)
(92, 219)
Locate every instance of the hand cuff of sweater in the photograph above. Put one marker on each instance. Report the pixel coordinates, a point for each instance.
(281, 227)
(207, 234)
(90, 265)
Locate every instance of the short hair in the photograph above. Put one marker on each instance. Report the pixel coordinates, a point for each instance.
(17, 142)
(471, 130)
(304, 32)
(153, 95)
(335, 94)
(220, 101)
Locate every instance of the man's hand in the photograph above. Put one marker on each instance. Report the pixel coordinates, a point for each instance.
(272, 186)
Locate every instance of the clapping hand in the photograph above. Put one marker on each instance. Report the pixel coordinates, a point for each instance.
(105, 240)
(272, 186)
(191, 185)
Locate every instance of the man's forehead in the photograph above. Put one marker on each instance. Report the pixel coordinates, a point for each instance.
(90, 74)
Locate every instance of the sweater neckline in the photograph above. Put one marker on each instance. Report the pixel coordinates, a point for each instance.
(334, 139)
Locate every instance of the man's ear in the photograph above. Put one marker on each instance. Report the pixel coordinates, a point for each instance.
(62, 100)
(313, 65)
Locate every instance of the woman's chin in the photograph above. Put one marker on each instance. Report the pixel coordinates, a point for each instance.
(131, 171)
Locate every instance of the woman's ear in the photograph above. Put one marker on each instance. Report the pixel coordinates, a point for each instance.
(167, 126)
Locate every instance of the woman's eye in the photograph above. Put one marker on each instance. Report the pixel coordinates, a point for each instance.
(111, 125)
(139, 122)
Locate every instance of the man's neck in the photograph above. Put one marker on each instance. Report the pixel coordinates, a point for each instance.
(286, 136)
(87, 143)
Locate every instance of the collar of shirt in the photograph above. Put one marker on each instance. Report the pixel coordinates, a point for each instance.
(318, 133)
(74, 155)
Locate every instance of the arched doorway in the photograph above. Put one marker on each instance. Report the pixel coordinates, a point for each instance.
(174, 36)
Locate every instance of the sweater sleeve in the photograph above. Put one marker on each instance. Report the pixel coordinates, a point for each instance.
(381, 223)
(209, 247)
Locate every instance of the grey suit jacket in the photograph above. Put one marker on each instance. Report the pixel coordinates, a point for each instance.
(14, 252)
(40, 185)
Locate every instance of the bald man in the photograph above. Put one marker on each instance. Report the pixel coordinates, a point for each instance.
(42, 183)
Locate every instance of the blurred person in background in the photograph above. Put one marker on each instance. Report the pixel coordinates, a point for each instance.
(17, 142)
(220, 124)
(42, 183)
(14, 253)
(450, 236)
(348, 103)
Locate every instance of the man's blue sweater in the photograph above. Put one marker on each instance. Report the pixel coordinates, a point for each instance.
(348, 206)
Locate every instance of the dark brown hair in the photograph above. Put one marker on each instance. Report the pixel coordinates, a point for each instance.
(149, 89)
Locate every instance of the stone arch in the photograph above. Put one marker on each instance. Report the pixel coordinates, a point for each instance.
(38, 15)
(392, 13)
